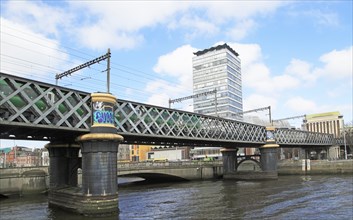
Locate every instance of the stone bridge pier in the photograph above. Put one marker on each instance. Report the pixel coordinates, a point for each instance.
(63, 164)
(98, 195)
(230, 158)
(268, 158)
(268, 161)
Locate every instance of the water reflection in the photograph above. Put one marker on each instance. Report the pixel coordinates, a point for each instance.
(290, 197)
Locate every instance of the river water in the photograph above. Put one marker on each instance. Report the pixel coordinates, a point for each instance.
(289, 197)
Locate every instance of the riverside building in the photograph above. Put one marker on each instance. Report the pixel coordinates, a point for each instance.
(327, 122)
(218, 69)
(330, 123)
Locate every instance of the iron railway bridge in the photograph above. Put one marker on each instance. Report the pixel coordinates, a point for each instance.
(39, 111)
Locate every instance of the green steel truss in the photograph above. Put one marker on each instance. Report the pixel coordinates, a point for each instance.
(173, 125)
(32, 109)
(302, 138)
(28, 108)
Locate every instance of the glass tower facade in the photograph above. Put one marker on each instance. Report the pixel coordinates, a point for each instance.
(218, 68)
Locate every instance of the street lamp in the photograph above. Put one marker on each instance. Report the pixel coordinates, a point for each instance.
(344, 138)
(344, 141)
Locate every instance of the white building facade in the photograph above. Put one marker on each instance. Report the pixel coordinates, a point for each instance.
(218, 68)
(328, 122)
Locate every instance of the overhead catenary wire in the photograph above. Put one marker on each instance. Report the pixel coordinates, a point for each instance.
(123, 76)
(50, 68)
(42, 68)
(138, 93)
(142, 76)
(120, 67)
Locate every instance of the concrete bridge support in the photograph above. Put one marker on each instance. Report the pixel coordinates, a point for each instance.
(64, 163)
(229, 156)
(99, 164)
(99, 159)
(268, 162)
(98, 195)
(268, 159)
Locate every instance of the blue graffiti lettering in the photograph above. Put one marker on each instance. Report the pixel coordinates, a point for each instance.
(103, 117)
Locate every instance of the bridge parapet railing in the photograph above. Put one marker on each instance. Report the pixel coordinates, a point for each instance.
(133, 117)
(298, 137)
(339, 141)
(169, 164)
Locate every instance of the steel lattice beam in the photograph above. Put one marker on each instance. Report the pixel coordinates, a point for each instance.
(302, 138)
(36, 109)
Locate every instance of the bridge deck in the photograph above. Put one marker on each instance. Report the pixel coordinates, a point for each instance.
(39, 111)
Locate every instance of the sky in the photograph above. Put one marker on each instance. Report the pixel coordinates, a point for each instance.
(296, 56)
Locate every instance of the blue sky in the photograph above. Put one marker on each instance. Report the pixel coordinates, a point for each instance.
(296, 55)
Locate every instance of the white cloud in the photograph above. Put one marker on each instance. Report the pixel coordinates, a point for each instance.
(254, 101)
(302, 70)
(337, 64)
(240, 15)
(162, 91)
(257, 76)
(194, 26)
(129, 16)
(319, 17)
(241, 29)
(26, 53)
(100, 37)
(221, 11)
(285, 82)
(178, 64)
(38, 16)
(159, 99)
(119, 24)
(302, 105)
(248, 53)
(266, 88)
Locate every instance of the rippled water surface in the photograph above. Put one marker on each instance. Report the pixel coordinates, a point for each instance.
(289, 197)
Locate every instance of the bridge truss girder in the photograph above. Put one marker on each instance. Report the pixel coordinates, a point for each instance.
(35, 110)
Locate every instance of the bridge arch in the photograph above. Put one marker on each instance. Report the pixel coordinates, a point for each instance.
(257, 164)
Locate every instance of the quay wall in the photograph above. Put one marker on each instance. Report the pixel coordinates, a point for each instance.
(29, 180)
(315, 167)
(24, 180)
(186, 170)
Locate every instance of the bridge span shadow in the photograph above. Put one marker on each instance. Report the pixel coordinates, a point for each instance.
(151, 178)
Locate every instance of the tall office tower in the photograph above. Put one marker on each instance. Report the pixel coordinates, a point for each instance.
(218, 69)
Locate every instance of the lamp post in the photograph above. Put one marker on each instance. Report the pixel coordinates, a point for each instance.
(344, 138)
(344, 141)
